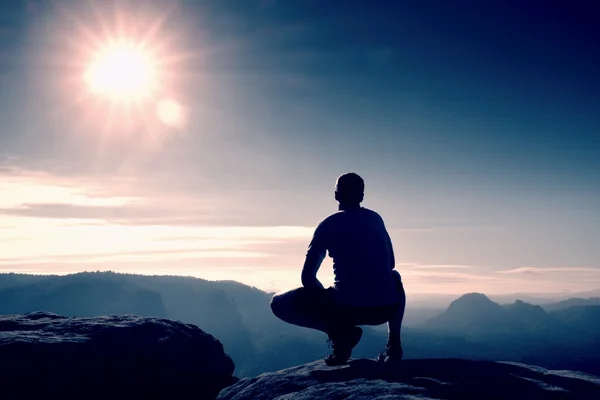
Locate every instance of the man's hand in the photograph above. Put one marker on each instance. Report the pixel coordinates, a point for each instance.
(310, 280)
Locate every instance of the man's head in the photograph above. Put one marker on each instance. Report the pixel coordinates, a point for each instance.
(349, 189)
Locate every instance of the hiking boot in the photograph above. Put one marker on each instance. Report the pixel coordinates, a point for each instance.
(342, 347)
(392, 353)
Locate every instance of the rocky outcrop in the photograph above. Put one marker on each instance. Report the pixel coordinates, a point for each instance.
(44, 355)
(450, 379)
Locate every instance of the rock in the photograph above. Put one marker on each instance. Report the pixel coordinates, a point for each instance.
(423, 379)
(122, 356)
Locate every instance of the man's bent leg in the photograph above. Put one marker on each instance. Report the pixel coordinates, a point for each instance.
(315, 308)
(309, 308)
(395, 323)
(393, 349)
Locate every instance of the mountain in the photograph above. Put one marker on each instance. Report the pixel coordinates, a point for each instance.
(531, 319)
(447, 379)
(564, 339)
(572, 302)
(583, 319)
(8, 280)
(81, 295)
(542, 298)
(472, 327)
(475, 316)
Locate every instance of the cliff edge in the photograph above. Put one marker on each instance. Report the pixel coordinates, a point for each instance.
(44, 355)
(450, 379)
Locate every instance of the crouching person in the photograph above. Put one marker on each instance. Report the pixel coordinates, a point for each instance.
(367, 289)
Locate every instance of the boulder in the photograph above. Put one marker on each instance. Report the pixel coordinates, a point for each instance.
(121, 356)
(450, 379)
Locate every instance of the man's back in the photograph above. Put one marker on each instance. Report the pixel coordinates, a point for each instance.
(367, 290)
(363, 257)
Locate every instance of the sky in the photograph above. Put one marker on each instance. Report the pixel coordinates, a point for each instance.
(476, 126)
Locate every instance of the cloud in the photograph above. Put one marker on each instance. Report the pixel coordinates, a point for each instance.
(432, 274)
(435, 266)
(19, 187)
(140, 201)
(55, 223)
(450, 277)
(153, 256)
(436, 227)
(47, 220)
(130, 214)
(121, 200)
(547, 270)
(39, 245)
(437, 279)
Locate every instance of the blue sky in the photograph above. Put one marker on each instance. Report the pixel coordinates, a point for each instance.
(475, 126)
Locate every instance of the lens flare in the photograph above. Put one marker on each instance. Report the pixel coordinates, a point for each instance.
(122, 71)
(170, 113)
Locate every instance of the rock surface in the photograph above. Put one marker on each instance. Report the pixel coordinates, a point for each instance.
(124, 356)
(416, 379)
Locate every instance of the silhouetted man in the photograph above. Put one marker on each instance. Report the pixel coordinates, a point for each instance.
(367, 289)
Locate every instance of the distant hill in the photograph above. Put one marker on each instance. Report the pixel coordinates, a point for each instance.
(523, 332)
(576, 301)
(531, 319)
(82, 295)
(585, 319)
(239, 316)
(11, 279)
(542, 298)
(202, 303)
(476, 317)
(472, 314)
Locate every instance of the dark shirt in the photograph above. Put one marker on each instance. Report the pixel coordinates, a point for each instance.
(363, 258)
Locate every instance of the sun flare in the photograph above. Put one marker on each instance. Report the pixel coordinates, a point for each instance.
(127, 74)
(170, 113)
(122, 71)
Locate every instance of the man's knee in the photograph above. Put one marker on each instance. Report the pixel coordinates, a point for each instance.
(398, 280)
(282, 303)
(276, 305)
(297, 301)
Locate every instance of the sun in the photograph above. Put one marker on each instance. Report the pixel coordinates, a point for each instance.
(122, 71)
(125, 73)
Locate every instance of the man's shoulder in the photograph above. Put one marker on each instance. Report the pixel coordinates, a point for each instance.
(341, 215)
(332, 218)
(373, 214)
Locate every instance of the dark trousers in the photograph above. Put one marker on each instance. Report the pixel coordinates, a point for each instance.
(316, 309)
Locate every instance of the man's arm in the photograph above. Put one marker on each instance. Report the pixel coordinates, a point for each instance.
(391, 257)
(391, 250)
(317, 249)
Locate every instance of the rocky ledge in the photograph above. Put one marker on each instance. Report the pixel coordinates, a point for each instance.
(450, 379)
(44, 355)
